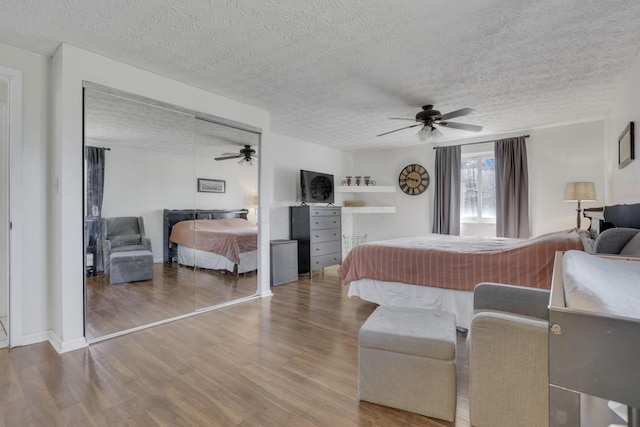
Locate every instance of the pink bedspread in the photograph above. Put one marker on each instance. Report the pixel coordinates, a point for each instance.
(460, 263)
(228, 237)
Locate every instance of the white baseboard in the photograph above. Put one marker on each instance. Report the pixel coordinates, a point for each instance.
(54, 340)
(33, 338)
(66, 346)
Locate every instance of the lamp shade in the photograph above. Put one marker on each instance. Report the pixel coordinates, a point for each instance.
(424, 134)
(580, 191)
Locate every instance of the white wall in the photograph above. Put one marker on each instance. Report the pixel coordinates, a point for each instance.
(168, 181)
(32, 226)
(413, 213)
(281, 163)
(556, 155)
(70, 67)
(623, 185)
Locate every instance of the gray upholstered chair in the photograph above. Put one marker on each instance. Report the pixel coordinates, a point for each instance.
(508, 349)
(619, 241)
(126, 251)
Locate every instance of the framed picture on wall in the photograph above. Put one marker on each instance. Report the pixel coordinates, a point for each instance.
(626, 150)
(211, 185)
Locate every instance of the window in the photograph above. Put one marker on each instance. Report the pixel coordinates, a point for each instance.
(478, 189)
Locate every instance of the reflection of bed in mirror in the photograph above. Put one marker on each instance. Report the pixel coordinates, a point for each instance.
(216, 239)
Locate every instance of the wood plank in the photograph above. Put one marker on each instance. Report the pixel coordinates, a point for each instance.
(291, 359)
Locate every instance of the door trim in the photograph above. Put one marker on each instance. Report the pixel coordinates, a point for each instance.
(14, 78)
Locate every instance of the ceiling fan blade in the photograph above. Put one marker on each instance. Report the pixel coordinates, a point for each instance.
(457, 113)
(406, 127)
(235, 156)
(401, 118)
(461, 126)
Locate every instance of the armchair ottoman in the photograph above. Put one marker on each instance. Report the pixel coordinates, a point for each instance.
(131, 266)
(407, 360)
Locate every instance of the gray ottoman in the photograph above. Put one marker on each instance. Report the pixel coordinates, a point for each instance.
(406, 361)
(131, 266)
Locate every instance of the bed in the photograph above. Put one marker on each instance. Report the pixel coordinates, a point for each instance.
(218, 239)
(440, 271)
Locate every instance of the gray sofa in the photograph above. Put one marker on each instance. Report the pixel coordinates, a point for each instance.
(508, 351)
(619, 241)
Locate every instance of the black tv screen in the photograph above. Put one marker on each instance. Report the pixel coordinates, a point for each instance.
(316, 187)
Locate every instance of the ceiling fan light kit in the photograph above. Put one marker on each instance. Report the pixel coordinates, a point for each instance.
(428, 133)
(429, 117)
(246, 162)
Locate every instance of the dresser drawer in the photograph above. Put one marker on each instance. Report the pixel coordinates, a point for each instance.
(322, 261)
(325, 248)
(325, 235)
(324, 212)
(322, 222)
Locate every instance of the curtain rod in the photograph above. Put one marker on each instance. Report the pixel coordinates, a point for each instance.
(479, 142)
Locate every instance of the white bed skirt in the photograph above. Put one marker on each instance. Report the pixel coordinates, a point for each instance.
(398, 294)
(203, 259)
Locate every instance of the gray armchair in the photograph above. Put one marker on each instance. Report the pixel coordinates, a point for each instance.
(126, 251)
(508, 351)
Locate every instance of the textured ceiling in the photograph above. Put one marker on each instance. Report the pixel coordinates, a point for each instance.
(122, 120)
(333, 71)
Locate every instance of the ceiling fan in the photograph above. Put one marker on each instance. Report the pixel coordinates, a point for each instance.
(429, 117)
(246, 155)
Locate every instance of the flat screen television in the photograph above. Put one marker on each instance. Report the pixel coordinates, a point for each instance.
(316, 187)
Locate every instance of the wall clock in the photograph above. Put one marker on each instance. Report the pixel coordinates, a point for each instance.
(413, 179)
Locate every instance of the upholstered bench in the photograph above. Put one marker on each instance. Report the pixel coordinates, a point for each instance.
(131, 266)
(406, 360)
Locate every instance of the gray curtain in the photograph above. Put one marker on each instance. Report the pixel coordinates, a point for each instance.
(512, 188)
(446, 207)
(94, 191)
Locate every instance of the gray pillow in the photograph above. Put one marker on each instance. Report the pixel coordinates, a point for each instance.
(125, 240)
(633, 247)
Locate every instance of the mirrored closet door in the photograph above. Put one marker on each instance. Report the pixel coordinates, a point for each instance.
(169, 229)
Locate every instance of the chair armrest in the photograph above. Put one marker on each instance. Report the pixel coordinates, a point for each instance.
(612, 241)
(508, 370)
(511, 299)
(146, 242)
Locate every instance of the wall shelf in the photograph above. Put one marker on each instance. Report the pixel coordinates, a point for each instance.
(365, 189)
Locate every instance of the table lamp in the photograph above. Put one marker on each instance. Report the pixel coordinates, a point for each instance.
(579, 192)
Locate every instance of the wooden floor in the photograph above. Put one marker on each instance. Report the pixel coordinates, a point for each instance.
(175, 290)
(287, 360)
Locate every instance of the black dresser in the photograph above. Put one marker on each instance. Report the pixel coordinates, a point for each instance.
(318, 232)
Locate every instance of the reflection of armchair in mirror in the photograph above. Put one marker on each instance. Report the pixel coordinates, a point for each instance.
(126, 251)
